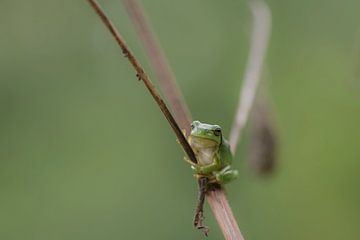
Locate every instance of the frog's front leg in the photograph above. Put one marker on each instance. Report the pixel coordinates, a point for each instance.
(226, 175)
(207, 169)
(193, 165)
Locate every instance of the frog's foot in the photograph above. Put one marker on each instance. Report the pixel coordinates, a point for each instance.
(226, 175)
(212, 179)
(193, 165)
(183, 131)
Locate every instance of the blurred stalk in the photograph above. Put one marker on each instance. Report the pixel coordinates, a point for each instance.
(141, 75)
(258, 47)
(263, 141)
(160, 64)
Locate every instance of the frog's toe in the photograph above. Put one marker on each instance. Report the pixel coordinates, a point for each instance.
(190, 162)
(227, 176)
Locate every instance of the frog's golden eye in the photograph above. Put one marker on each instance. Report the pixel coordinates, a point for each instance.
(217, 132)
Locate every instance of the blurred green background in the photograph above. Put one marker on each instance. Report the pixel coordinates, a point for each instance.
(86, 154)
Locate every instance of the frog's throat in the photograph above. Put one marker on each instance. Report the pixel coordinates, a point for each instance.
(201, 142)
(206, 156)
(205, 149)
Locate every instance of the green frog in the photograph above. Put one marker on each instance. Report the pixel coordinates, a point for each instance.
(212, 152)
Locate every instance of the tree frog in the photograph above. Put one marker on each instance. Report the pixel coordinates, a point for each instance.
(212, 152)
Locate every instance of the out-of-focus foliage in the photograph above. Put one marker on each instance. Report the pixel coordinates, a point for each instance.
(86, 154)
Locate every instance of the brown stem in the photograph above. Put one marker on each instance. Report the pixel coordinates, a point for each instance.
(199, 210)
(146, 80)
(220, 207)
(259, 42)
(159, 63)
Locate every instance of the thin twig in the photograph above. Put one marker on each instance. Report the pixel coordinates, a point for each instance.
(160, 64)
(259, 41)
(146, 80)
(216, 196)
(199, 211)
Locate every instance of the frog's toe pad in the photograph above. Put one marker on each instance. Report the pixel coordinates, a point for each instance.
(227, 176)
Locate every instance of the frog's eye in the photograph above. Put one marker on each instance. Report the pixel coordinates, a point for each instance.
(217, 132)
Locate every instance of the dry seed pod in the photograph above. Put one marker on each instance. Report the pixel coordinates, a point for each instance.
(263, 143)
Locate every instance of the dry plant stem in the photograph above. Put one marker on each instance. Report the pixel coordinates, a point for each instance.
(146, 80)
(199, 211)
(216, 197)
(220, 207)
(159, 63)
(259, 41)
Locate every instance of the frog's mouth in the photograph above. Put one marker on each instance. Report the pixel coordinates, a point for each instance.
(200, 142)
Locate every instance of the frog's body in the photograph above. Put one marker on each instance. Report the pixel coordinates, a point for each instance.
(212, 152)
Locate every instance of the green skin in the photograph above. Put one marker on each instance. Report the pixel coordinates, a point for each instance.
(212, 153)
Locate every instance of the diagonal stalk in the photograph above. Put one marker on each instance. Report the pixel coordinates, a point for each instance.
(140, 73)
(160, 64)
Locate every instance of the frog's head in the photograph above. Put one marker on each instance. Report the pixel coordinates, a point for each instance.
(205, 135)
